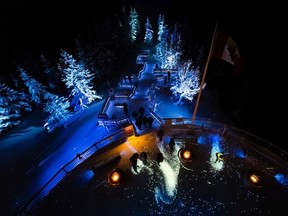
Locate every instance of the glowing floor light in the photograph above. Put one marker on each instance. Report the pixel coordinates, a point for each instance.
(185, 155)
(115, 177)
(282, 179)
(254, 179)
(216, 157)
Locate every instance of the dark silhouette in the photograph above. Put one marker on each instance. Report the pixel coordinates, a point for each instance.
(79, 156)
(171, 144)
(139, 122)
(125, 108)
(143, 157)
(144, 120)
(133, 160)
(159, 158)
(150, 121)
(141, 110)
(160, 134)
(168, 75)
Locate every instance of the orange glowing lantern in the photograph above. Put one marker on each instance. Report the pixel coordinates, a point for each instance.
(186, 155)
(115, 177)
(254, 179)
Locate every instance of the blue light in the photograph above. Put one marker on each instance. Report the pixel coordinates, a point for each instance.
(215, 140)
(282, 179)
(201, 140)
(239, 153)
(87, 175)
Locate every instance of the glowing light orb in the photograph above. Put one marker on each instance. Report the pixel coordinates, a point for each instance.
(254, 179)
(185, 155)
(115, 177)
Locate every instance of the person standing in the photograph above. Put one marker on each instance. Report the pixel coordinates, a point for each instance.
(160, 134)
(168, 75)
(125, 108)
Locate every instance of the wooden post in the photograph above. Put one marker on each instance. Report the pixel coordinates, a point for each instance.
(204, 74)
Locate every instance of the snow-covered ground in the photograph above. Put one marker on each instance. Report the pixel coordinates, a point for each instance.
(31, 155)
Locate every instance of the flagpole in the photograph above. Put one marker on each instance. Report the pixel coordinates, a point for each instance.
(204, 73)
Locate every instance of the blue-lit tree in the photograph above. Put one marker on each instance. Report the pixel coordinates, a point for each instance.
(187, 83)
(174, 52)
(161, 27)
(134, 25)
(36, 89)
(12, 105)
(78, 80)
(148, 32)
(58, 109)
(162, 46)
(6, 119)
(168, 49)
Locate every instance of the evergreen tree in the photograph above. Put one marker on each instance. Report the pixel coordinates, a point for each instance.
(78, 81)
(187, 83)
(168, 49)
(6, 120)
(162, 47)
(134, 25)
(36, 89)
(58, 110)
(161, 27)
(148, 32)
(13, 105)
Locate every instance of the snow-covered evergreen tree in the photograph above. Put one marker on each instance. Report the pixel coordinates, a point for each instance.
(187, 83)
(36, 89)
(6, 120)
(168, 49)
(13, 104)
(134, 25)
(78, 81)
(148, 32)
(58, 109)
(161, 27)
(162, 47)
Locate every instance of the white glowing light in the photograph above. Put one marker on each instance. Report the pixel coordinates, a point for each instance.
(169, 168)
(170, 178)
(134, 24)
(187, 83)
(148, 32)
(216, 165)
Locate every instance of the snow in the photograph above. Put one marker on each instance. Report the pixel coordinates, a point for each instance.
(34, 155)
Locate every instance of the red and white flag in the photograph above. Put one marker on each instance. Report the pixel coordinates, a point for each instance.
(225, 48)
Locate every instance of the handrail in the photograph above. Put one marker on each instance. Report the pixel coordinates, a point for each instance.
(29, 204)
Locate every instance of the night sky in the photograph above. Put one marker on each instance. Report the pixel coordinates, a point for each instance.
(32, 27)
